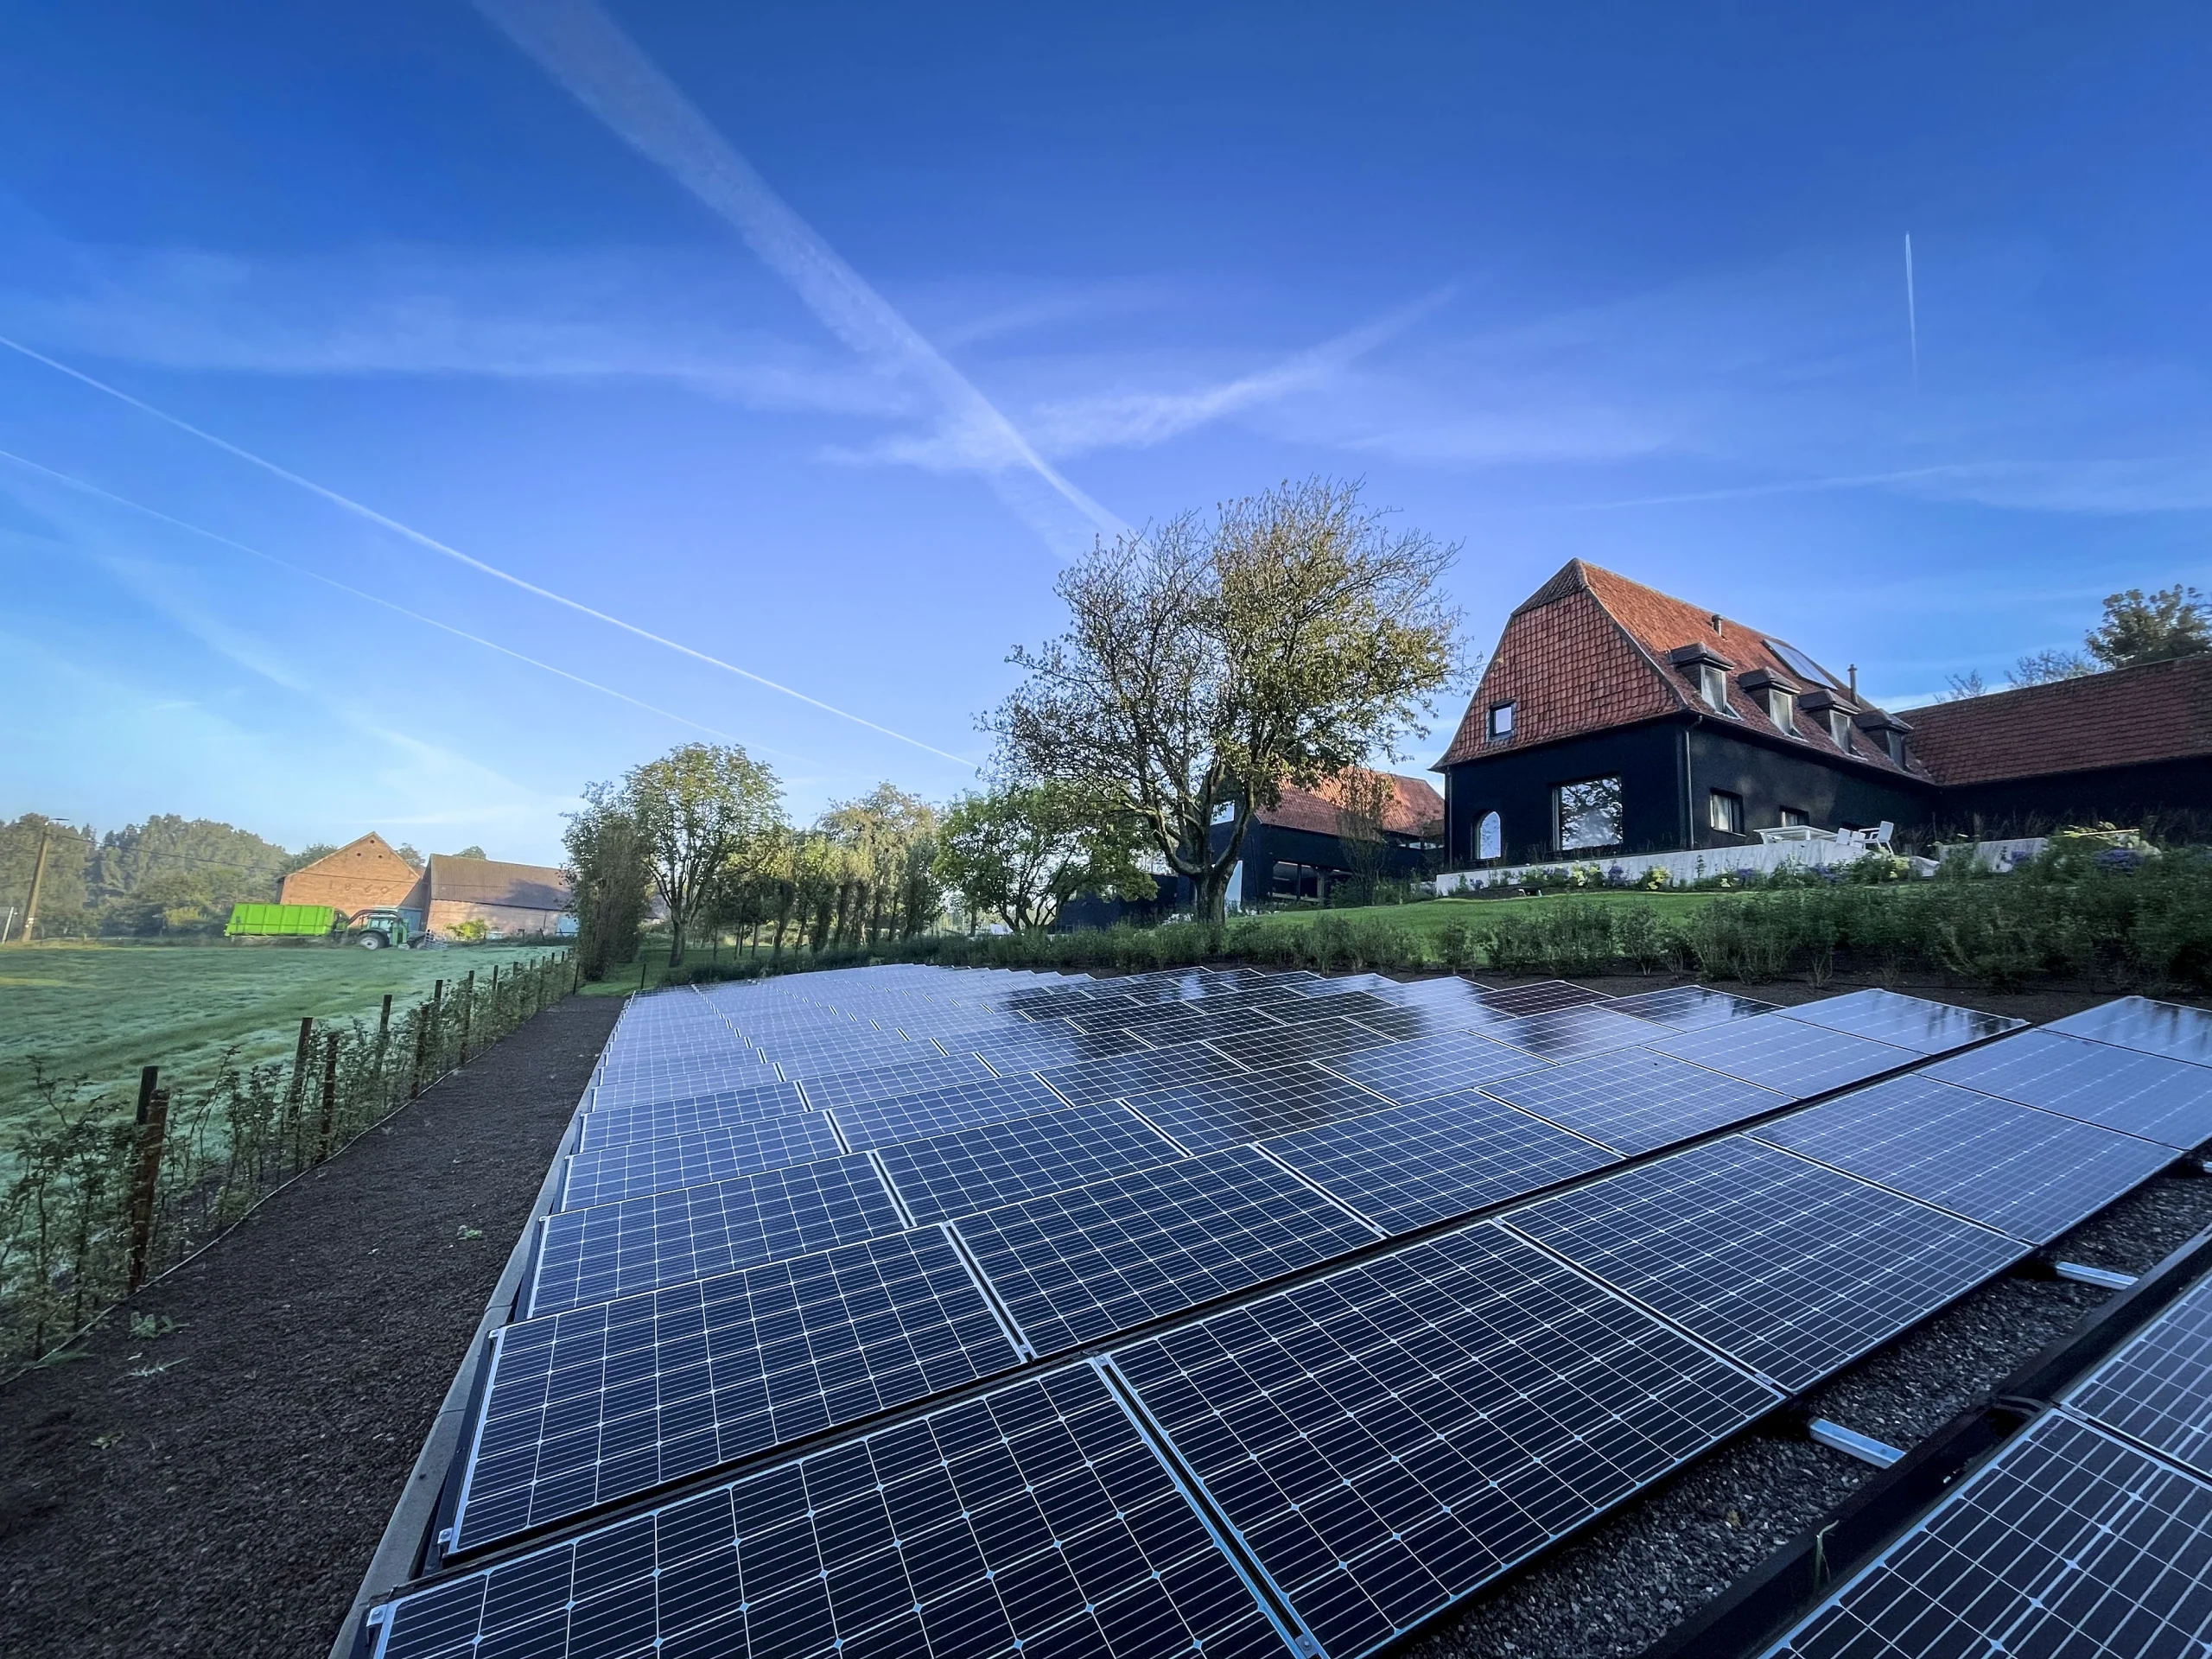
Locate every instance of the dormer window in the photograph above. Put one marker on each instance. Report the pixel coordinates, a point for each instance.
(1776, 695)
(1707, 671)
(1833, 712)
(1840, 728)
(1712, 685)
(1781, 708)
(1501, 721)
(1886, 729)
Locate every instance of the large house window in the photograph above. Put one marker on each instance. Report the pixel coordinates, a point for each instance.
(1589, 815)
(1724, 811)
(1792, 816)
(1489, 836)
(1501, 721)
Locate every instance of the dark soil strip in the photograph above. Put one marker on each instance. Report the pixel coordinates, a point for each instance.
(219, 1487)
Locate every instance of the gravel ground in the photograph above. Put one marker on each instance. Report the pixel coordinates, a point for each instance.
(218, 1489)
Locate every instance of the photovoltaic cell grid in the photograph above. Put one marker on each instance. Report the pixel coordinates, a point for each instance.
(2162, 1100)
(1785, 1055)
(940, 1111)
(1319, 1039)
(637, 1167)
(1406, 1166)
(645, 1089)
(1398, 1434)
(2137, 1022)
(2158, 1387)
(609, 1401)
(618, 1126)
(1084, 1263)
(1123, 1075)
(981, 1169)
(2067, 1542)
(1429, 1066)
(2030, 1173)
(1634, 1101)
(831, 1090)
(1540, 998)
(1795, 1270)
(697, 1232)
(1910, 1022)
(1042, 1048)
(1253, 1105)
(1033, 1520)
(1689, 1007)
(1569, 1033)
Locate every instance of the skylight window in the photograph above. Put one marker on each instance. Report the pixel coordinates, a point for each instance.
(1802, 666)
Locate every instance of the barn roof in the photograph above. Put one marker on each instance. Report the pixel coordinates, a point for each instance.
(2129, 717)
(1415, 807)
(369, 855)
(490, 881)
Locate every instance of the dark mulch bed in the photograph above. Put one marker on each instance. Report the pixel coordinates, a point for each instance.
(220, 1489)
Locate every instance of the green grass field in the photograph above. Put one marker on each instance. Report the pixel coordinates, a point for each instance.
(1429, 918)
(99, 1012)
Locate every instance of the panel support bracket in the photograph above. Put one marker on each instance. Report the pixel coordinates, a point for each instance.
(1852, 1443)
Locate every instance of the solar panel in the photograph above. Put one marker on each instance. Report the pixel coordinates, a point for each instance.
(2030, 1173)
(1319, 1039)
(2157, 1389)
(650, 1090)
(1041, 1047)
(1120, 1076)
(940, 1111)
(1406, 1166)
(1912, 1022)
(1357, 1005)
(637, 1168)
(618, 1125)
(1787, 1055)
(1083, 1264)
(1400, 1434)
(1635, 1100)
(981, 1169)
(1689, 1007)
(1033, 1520)
(603, 1403)
(831, 1090)
(2137, 1022)
(1452, 999)
(2067, 1542)
(824, 1059)
(1795, 1270)
(1429, 1066)
(1253, 1105)
(1540, 998)
(1569, 1033)
(695, 1232)
(2162, 1100)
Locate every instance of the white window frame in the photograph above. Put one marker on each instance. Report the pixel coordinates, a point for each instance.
(1490, 838)
(1840, 729)
(1781, 708)
(1712, 687)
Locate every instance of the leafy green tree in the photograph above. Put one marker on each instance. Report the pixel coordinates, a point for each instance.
(1206, 665)
(2158, 627)
(699, 807)
(1022, 851)
(886, 832)
(470, 852)
(608, 877)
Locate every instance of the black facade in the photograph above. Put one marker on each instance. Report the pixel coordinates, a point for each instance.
(1667, 770)
(2138, 795)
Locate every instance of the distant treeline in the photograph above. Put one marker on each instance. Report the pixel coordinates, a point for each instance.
(167, 875)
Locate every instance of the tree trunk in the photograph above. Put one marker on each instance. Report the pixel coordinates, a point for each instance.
(675, 936)
(786, 892)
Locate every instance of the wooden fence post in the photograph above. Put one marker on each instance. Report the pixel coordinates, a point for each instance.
(495, 994)
(468, 1007)
(329, 1094)
(300, 1059)
(421, 1051)
(383, 1047)
(146, 1175)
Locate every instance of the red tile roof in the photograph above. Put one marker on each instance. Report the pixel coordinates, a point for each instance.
(1589, 651)
(491, 881)
(2161, 711)
(1415, 807)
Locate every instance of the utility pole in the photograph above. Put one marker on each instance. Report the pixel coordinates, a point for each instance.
(38, 880)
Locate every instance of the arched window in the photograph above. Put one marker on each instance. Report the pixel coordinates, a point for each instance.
(1490, 838)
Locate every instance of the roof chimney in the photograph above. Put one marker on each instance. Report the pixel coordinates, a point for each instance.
(1854, 682)
(1716, 622)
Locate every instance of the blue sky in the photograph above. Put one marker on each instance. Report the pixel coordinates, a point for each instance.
(812, 338)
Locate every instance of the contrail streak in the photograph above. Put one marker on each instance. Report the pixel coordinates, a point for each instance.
(455, 553)
(79, 483)
(1912, 315)
(586, 51)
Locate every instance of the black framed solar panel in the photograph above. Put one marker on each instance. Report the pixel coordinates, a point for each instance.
(1400, 1434)
(637, 1167)
(834, 1089)
(1312, 1040)
(1794, 1268)
(2146, 1095)
(1689, 1007)
(1447, 996)
(940, 1111)
(696, 1232)
(2157, 1387)
(981, 1169)
(1570, 1034)
(2030, 1174)
(615, 1126)
(1912, 1022)
(2067, 1542)
(1337, 984)
(1429, 1066)
(1032, 1521)
(1119, 1075)
(1082, 1264)
(2137, 1022)
(1785, 1055)
(606, 1402)
(1541, 997)
(1635, 1100)
(1406, 1166)
(1253, 1105)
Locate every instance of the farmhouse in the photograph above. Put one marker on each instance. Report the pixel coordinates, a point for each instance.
(1302, 845)
(1615, 720)
(368, 874)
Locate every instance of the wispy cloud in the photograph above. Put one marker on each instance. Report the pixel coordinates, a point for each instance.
(583, 48)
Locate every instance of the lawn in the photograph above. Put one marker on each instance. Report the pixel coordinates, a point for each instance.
(99, 1012)
(1429, 918)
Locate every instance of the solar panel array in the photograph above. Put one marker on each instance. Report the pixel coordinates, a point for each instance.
(935, 1182)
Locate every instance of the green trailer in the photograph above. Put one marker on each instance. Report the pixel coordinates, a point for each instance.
(280, 921)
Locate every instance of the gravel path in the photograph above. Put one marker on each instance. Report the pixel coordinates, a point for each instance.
(218, 1489)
